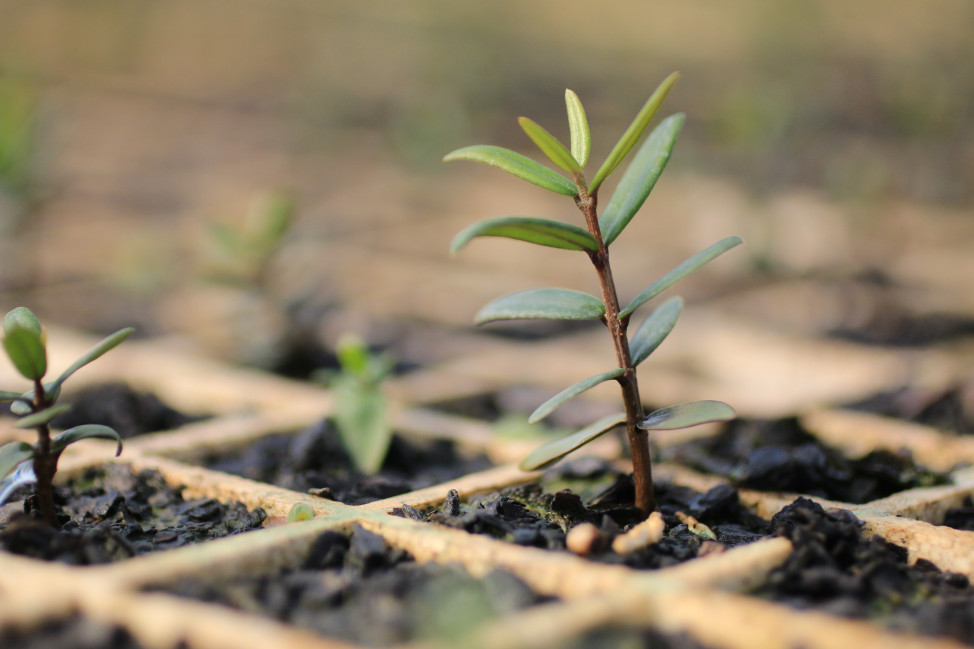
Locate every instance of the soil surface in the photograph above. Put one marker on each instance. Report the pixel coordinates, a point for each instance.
(359, 589)
(950, 410)
(836, 569)
(314, 461)
(130, 412)
(623, 638)
(592, 491)
(109, 514)
(779, 455)
(73, 633)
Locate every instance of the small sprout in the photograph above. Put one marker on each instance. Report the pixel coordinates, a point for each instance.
(22, 463)
(696, 527)
(300, 512)
(361, 407)
(632, 190)
(242, 255)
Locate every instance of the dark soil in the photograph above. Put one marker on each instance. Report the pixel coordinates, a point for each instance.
(961, 518)
(128, 411)
(589, 490)
(110, 514)
(358, 589)
(624, 638)
(779, 455)
(315, 461)
(950, 410)
(836, 569)
(72, 633)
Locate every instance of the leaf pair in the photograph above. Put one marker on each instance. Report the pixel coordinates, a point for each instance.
(684, 415)
(649, 336)
(565, 304)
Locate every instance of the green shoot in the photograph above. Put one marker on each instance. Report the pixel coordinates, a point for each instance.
(24, 341)
(602, 230)
(361, 408)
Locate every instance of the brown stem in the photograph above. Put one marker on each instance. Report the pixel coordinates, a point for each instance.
(642, 469)
(45, 462)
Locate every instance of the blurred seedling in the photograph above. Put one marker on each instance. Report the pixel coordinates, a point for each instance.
(21, 463)
(361, 413)
(593, 240)
(18, 147)
(242, 255)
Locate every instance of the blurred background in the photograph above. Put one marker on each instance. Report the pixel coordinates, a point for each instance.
(257, 176)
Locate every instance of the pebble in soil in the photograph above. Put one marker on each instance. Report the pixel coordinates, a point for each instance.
(355, 587)
(110, 514)
(779, 455)
(835, 568)
(315, 461)
(70, 633)
(592, 491)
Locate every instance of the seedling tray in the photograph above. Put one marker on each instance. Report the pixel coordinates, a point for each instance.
(707, 598)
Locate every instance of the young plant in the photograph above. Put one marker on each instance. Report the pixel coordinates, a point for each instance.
(242, 256)
(361, 407)
(20, 462)
(593, 240)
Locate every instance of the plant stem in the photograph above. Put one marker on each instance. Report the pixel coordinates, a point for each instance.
(45, 463)
(642, 470)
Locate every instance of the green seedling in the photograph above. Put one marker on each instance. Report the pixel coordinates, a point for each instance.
(18, 148)
(593, 241)
(22, 463)
(361, 408)
(242, 255)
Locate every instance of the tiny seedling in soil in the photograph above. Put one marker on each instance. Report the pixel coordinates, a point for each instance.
(20, 462)
(594, 240)
(361, 407)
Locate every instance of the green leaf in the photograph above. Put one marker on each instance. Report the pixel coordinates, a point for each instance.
(632, 134)
(545, 456)
(640, 178)
(517, 165)
(543, 232)
(26, 351)
(553, 303)
(361, 414)
(353, 354)
(550, 145)
(545, 408)
(42, 417)
(22, 318)
(578, 126)
(684, 415)
(12, 455)
(23, 404)
(105, 345)
(678, 273)
(86, 431)
(654, 329)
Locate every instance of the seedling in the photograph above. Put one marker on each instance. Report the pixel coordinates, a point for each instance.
(594, 240)
(21, 463)
(242, 256)
(361, 407)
